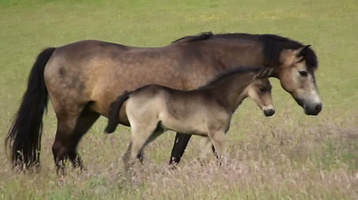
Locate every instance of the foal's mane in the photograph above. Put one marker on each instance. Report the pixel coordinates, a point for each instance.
(272, 45)
(231, 72)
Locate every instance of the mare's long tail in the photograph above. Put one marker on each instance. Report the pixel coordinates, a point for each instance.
(24, 136)
(115, 108)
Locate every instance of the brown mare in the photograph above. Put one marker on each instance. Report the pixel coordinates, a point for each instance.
(206, 111)
(84, 77)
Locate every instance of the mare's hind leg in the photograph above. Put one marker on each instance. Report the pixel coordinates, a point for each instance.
(66, 122)
(83, 124)
(72, 125)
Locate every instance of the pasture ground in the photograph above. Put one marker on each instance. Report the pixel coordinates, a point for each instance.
(287, 156)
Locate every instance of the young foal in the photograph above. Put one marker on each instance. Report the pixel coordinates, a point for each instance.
(206, 111)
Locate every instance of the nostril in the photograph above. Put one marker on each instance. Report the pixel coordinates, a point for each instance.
(269, 112)
(319, 107)
(272, 112)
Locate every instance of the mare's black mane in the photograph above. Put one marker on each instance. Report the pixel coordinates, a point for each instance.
(272, 45)
(191, 38)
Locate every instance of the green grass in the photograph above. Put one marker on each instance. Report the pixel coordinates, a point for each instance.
(288, 156)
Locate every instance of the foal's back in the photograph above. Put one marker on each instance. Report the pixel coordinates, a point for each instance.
(178, 110)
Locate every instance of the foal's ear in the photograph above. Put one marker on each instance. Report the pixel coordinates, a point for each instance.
(301, 51)
(265, 73)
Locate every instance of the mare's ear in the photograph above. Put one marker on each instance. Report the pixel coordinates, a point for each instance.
(265, 73)
(302, 51)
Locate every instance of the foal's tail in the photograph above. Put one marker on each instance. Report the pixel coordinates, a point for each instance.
(24, 136)
(115, 108)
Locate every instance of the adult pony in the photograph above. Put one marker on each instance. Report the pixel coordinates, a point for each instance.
(84, 77)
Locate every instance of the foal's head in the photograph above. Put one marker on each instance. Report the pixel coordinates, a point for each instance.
(260, 91)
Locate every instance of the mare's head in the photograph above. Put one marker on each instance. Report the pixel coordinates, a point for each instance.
(294, 65)
(297, 77)
(260, 91)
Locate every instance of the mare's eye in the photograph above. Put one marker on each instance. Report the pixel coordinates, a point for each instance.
(303, 73)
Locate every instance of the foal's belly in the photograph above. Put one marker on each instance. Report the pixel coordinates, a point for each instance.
(192, 125)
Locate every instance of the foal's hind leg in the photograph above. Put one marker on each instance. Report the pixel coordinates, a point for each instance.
(134, 148)
(141, 135)
(158, 131)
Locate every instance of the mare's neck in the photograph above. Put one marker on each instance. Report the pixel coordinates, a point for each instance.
(235, 52)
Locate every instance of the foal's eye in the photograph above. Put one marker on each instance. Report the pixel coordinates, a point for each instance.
(262, 89)
(303, 73)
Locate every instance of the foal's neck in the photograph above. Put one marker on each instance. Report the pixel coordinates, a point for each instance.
(231, 90)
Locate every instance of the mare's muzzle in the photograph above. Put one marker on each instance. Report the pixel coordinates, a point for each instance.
(312, 109)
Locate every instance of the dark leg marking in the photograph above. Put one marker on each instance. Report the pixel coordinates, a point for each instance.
(180, 143)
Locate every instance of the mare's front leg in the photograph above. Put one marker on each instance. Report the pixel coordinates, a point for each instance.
(180, 143)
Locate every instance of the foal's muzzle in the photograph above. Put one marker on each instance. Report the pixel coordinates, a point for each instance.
(269, 112)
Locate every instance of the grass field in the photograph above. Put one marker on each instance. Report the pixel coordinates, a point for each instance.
(287, 156)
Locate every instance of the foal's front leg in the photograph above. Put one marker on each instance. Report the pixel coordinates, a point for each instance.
(205, 146)
(218, 140)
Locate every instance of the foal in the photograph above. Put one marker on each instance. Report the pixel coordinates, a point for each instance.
(206, 111)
